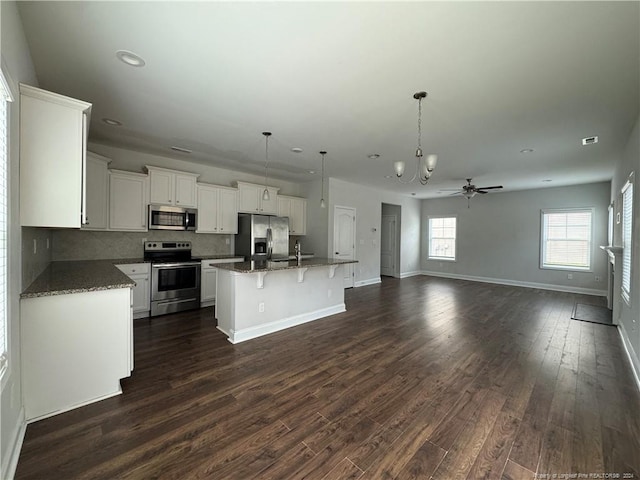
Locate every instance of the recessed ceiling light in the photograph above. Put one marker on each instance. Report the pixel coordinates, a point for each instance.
(590, 140)
(112, 122)
(547, 180)
(413, 193)
(181, 150)
(296, 150)
(373, 156)
(312, 172)
(130, 58)
(526, 150)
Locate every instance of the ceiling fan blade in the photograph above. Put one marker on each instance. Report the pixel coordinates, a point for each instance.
(489, 188)
(480, 191)
(448, 189)
(455, 193)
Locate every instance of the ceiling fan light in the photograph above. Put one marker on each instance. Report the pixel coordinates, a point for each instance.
(432, 160)
(399, 167)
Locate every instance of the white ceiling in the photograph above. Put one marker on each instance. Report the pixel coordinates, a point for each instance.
(501, 77)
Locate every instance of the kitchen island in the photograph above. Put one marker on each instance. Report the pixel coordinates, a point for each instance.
(258, 298)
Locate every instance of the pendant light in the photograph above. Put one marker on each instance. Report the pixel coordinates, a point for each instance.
(322, 202)
(265, 193)
(424, 168)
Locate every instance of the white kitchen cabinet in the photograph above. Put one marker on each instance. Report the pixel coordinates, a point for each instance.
(209, 277)
(171, 187)
(53, 136)
(75, 349)
(128, 200)
(141, 293)
(97, 192)
(296, 209)
(217, 209)
(250, 199)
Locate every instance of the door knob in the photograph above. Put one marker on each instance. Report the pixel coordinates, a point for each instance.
(337, 253)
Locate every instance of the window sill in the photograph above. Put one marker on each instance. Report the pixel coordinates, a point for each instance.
(442, 259)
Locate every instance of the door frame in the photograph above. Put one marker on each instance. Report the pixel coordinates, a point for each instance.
(333, 243)
(394, 251)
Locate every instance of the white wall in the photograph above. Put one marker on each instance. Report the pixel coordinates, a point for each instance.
(629, 317)
(18, 67)
(498, 237)
(368, 204)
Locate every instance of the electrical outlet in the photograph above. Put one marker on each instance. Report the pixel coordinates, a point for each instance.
(261, 307)
(570, 276)
(35, 246)
(47, 244)
(598, 278)
(227, 241)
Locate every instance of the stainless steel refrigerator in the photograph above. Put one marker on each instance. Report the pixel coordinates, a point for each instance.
(262, 237)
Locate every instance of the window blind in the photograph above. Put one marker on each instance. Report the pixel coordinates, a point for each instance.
(4, 131)
(442, 238)
(566, 239)
(627, 245)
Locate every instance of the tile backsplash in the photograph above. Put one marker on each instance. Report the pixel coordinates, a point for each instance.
(71, 244)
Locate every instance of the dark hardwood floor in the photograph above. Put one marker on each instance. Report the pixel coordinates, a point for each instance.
(420, 378)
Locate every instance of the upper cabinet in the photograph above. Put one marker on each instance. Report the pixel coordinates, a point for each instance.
(129, 197)
(170, 187)
(53, 136)
(217, 209)
(251, 201)
(296, 209)
(97, 192)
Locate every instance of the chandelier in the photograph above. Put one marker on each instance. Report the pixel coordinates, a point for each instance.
(424, 166)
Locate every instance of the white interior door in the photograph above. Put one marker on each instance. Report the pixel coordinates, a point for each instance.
(344, 240)
(388, 246)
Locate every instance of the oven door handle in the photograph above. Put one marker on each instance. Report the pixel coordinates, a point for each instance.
(176, 265)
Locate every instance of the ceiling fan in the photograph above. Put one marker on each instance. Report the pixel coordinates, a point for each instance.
(469, 190)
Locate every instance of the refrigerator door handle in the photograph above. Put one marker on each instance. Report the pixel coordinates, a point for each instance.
(269, 244)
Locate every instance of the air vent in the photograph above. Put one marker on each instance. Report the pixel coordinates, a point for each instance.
(590, 140)
(181, 150)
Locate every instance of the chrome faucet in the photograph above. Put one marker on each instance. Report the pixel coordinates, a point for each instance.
(298, 252)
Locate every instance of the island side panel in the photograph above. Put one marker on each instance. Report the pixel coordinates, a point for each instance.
(225, 301)
(75, 349)
(282, 302)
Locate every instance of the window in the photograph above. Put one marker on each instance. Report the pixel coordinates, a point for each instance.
(4, 142)
(627, 245)
(442, 238)
(566, 239)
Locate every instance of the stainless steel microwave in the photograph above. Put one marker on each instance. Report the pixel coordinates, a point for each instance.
(164, 217)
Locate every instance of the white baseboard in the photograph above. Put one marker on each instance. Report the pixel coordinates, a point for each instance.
(415, 273)
(516, 283)
(17, 438)
(633, 358)
(371, 281)
(237, 336)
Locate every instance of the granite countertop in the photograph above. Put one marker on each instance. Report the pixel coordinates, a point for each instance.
(268, 266)
(61, 278)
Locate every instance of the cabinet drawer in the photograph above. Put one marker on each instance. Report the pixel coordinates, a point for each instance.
(135, 268)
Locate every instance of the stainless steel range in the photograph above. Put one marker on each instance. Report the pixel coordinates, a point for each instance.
(175, 277)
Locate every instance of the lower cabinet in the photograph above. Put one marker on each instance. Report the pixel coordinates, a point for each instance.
(209, 278)
(75, 349)
(141, 293)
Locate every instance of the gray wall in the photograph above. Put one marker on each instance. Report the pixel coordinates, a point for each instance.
(17, 66)
(498, 237)
(368, 204)
(630, 315)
